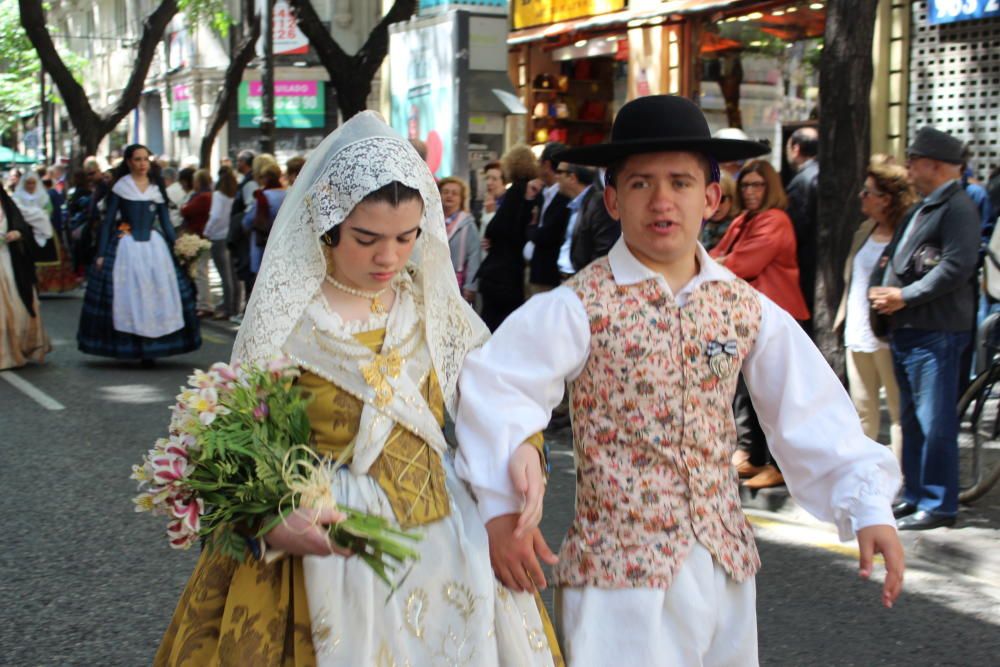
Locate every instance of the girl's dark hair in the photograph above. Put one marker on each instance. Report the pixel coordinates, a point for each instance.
(393, 194)
(155, 176)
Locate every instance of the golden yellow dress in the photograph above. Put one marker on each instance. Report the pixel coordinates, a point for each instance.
(257, 614)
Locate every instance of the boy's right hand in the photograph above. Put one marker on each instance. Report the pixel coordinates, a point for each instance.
(515, 560)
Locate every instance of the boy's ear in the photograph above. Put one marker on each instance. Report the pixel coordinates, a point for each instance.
(713, 197)
(611, 201)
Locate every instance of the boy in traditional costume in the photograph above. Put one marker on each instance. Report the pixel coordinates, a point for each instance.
(658, 566)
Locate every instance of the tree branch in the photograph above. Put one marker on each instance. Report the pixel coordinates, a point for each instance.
(152, 32)
(73, 94)
(226, 99)
(90, 125)
(333, 58)
(369, 58)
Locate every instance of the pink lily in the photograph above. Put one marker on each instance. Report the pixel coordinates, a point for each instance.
(189, 512)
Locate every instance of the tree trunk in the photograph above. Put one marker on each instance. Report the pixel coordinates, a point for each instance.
(350, 76)
(90, 125)
(242, 54)
(845, 81)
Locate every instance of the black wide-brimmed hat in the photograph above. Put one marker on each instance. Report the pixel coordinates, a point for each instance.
(657, 123)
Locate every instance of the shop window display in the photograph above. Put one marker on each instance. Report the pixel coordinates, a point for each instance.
(575, 105)
(760, 71)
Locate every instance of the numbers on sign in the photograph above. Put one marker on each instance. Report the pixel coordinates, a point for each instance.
(970, 6)
(992, 6)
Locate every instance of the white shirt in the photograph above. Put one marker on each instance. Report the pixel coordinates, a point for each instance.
(217, 227)
(176, 194)
(858, 336)
(548, 194)
(565, 261)
(831, 468)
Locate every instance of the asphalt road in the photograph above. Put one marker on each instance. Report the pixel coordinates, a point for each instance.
(86, 581)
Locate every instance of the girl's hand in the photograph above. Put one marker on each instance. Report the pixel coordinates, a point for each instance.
(99, 263)
(13, 236)
(304, 533)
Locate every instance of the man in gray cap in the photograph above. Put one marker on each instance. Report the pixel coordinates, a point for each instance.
(925, 285)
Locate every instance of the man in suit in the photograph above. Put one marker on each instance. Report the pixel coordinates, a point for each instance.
(926, 287)
(801, 151)
(547, 233)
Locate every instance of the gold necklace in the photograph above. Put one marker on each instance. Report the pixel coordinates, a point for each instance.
(377, 307)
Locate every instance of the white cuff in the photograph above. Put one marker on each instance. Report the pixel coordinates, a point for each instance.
(492, 504)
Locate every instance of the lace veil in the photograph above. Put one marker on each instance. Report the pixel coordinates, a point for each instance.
(361, 156)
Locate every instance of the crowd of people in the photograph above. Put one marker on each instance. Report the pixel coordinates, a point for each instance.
(672, 275)
(114, 232)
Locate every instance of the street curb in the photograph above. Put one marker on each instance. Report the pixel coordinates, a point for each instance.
(968, 550)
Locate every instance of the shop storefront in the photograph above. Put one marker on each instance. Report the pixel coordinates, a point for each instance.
(570, 68)
(749, 64)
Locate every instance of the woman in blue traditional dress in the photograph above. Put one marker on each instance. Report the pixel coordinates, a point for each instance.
(139, 303)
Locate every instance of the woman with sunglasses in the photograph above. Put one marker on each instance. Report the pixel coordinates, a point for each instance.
(886, 196)
(760, 248)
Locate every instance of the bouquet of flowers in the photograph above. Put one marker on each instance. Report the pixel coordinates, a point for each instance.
(188, 248)
(235, 464)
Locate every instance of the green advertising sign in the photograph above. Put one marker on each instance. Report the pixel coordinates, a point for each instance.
(180, 110)
(297, 104)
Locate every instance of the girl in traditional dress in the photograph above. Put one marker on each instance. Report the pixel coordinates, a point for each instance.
(380, 342)
(22, 337)
(139, 303)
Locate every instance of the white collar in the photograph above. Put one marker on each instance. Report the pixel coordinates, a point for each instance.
(126, 188)
(628, 270)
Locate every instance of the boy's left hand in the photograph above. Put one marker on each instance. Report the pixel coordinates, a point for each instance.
(527, 473)
(883, 540)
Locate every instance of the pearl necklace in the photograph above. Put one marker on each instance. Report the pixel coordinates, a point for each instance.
(377, 307)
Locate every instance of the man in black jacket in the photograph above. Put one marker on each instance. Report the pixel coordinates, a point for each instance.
(801, 151)
(926, 287)
(591, 231)
(548, 232)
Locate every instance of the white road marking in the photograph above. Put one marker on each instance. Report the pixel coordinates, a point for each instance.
(31, 391)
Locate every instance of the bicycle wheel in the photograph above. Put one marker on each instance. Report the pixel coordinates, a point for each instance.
(979, 436)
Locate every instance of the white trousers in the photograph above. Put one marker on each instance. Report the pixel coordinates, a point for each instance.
(705, 619)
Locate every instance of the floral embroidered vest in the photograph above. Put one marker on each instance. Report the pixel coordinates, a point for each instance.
(654, 432)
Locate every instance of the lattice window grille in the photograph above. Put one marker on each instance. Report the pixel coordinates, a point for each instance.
(955, 83)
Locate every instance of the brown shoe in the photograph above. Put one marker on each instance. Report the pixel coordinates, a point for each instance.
(768, 477)
(747, 469)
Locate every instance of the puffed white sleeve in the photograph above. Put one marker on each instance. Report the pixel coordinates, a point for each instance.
(509, 387)
(831, 468)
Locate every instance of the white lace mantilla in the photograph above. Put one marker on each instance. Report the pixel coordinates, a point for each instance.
(360, 157)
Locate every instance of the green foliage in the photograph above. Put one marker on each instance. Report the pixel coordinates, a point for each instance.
(19, 67)
(212, 13)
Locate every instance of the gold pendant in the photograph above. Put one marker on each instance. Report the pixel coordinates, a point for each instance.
(378, 308)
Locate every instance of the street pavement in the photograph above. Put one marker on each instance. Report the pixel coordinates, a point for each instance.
(89, 582)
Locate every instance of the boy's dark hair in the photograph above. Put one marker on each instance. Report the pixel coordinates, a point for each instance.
(393, 194)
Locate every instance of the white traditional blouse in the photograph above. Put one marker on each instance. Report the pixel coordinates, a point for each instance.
(509, 387)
